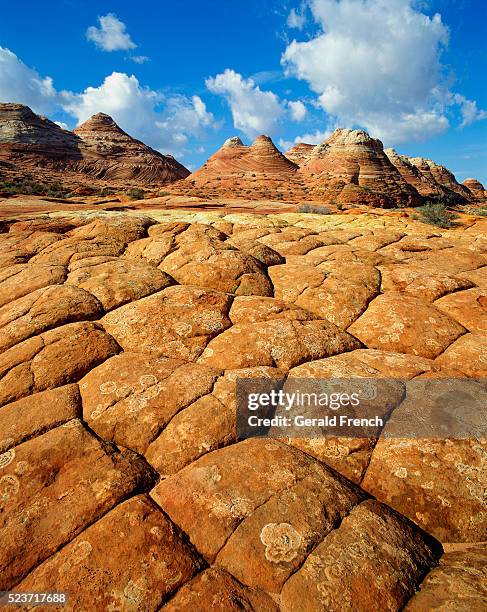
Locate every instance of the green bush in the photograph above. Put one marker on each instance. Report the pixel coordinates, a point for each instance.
(106, 191)
(136, 194)
(317, 210)
(436, 214)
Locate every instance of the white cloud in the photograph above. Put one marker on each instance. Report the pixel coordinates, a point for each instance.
(62, 125)
(298, 110)
(112, 34)
(376, 63)
(468, 110)
(296, 19)
(313, 138)
(163, 122)
(254, 111)
(138, 59)
(21, 84)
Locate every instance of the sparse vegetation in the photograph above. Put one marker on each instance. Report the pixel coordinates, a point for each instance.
(317, 210)
(28, 186)
(436, 214)
(106, 191)
(136, 193)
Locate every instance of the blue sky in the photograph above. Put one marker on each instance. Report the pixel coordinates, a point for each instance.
(184, 76)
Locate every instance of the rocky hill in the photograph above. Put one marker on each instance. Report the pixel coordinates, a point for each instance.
(299, 153)
(235, 160)
(96, 153)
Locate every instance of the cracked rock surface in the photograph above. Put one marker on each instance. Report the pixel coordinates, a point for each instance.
(122, 480)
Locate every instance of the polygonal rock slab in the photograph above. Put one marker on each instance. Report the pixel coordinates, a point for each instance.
(74, 248)
(420, 282)
(251, 309)
(21, 279)
(217, 266)
(403, 324)
(272, 543)
(468, 354)
(115, 283)
(209, 498)
(36, 414)
(52, 487)
(261, 252)
(150, 563)
(469, 308)
(438, 483)
(56, 357)
(336, 292)
(281, 343)
(220, 593)
(177, 322)
(459, 583)
(373, 561)
(130, 398)
(45, 309)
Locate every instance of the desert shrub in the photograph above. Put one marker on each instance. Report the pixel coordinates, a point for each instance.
(28, 186)
(136, 193)
(106, 191)
(317, 210)
(436, 214)
(162, 194)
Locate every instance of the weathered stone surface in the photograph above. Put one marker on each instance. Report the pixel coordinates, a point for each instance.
(204, 426)
(52, 487)
(337, 292)
(468, 355)
(25, 244)
(419, 282)
(281, 343)
(209, 498)
(459, 583)
(150, 563)
(252, 309)
(36, 414)
(21, 279)
(45, 309)
(217, 591)
(130, 398)
(272, 543)
(74, 248)
(117, 282)
(177, 322)
(56, 357)
(202, 257)
(469, 308)
(438, 483)
(373, 561)
(261, 252)
(399, 323)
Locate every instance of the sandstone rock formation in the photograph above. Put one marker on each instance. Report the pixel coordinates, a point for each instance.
(121, 343)
(114, 156)
(235, 160)
(441, 176)
(476, 188)
(351, 164)
(97, 153)
(299, 153)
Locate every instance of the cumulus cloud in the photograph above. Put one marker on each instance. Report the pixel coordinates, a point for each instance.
(376, 63)
(112, 34)
(314, 138)
(254, 111)
(161, 121)
(298, 110)
(166, 123)
(296, 19)
(468, 110)
(24, 85)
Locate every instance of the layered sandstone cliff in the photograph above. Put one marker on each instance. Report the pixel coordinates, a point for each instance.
(99, 151)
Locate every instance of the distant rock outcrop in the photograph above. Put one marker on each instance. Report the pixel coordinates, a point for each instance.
(111, 154)
(236, 160)
(476, 188)
(299, 153)
(352, 165)
(441, 176)
(97, 152)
